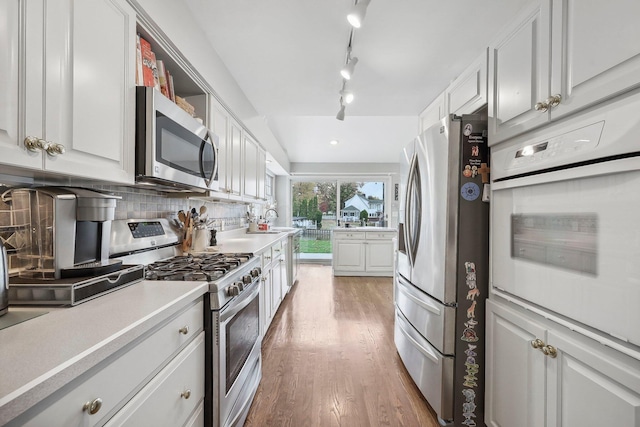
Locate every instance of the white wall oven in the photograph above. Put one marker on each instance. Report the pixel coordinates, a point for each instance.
(565, 234)
(173, 149)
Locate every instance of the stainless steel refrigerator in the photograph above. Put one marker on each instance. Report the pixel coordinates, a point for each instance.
(442, 267)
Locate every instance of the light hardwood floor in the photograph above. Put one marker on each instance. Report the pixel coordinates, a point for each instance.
(329, 358)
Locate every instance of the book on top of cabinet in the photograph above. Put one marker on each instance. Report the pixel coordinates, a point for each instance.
(149, 65)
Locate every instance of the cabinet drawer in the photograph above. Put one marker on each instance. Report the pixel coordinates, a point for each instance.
(380, 235)
(350, 235)
(172, 395)
(120, 377)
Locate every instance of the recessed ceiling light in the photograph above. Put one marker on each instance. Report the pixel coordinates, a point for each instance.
(333, 142)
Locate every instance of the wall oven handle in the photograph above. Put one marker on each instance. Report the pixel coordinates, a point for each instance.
(426, 304)
(246, 299)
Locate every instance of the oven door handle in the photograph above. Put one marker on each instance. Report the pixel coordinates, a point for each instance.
(228, 313)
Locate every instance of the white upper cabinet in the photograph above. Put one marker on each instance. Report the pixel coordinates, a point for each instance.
(70, 87)
(469, 91)
(250, 168)
(519, 74)
(595, 51)
(234, 160)
(435, 112)
(561, 57)
(219, 123)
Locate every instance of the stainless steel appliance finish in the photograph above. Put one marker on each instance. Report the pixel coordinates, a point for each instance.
(4, 280)
(564, 222)
(173, 149)
(232, 319)
(66, 231)
(442, 266)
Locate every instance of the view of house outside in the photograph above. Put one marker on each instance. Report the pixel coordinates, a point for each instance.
(319, 207)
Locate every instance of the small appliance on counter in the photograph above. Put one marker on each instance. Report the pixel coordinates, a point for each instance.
(64, 252)
(4, 280)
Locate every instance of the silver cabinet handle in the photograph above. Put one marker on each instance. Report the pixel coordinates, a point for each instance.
(93, 406)
(186, 394)
(55, 149)
(35, 144)
(184, 330)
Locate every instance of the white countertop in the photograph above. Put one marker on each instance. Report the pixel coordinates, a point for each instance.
(364, 229)
(255, 243)
(41, 355)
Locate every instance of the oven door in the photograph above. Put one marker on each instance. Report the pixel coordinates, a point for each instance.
(568, 240)
(239, 364)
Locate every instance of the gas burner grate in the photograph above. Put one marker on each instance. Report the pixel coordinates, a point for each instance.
(207, 267)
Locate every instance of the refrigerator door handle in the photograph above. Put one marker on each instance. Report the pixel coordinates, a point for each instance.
(412, 229)
(426, 304)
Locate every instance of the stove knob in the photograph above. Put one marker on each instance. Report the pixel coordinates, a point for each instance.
(239, 285)
(233, 291)
(247, 279)
(256, 272)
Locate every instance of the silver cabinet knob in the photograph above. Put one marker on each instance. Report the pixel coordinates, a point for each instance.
(35, 144)
(93, 406)
(550, 351)
(553, 100)
(184, 330)
(541, 106)
(537, 343)
(186, 394)
(55, 149)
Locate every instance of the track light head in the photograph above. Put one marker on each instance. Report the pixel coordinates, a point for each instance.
(340, 115)
(347, 70)
(347, 96)
(359, 10)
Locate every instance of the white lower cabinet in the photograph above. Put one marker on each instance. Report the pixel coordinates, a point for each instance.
(145, 375)
(172, 396)
(540, 373)
(363, 253)
(273, 282)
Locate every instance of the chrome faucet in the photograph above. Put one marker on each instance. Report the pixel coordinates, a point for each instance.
(269, 210)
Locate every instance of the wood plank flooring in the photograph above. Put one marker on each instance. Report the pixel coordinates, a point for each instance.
(329, 358)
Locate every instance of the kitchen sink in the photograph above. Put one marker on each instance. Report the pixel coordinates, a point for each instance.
(265, 232)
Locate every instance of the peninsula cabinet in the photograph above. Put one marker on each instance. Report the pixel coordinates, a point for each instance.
(67, 85)
(363, 253)
(540, 373)
(560, 57)
(156, 380)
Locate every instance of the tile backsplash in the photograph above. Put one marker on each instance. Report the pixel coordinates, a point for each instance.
(142, 203)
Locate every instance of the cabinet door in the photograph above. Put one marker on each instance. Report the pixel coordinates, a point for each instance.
(276, 287)
(90, 88)
(586, 374)
(515, 392)
(235, 157)
(262, 174)
(349, 255)
(20, 80)
(379, 256)
(250, 168)
(265, 299)
(435, 112)
(220, 124)
(519, 75)
(469, 91)
(595, 51)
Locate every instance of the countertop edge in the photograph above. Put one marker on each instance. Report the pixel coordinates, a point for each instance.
(26, 396)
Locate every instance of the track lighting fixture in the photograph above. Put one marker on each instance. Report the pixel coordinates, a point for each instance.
(346, 95)
(340, 115)
(356, 16)
(347, 70)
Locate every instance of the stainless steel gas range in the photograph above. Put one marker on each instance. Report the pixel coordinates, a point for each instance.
(231, 318)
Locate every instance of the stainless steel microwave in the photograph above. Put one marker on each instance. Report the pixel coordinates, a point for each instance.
(173, 149)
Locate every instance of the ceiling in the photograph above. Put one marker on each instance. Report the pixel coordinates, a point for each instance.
(286, 56)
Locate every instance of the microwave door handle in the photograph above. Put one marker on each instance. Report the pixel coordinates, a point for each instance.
(216, 161)
(209, 140)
